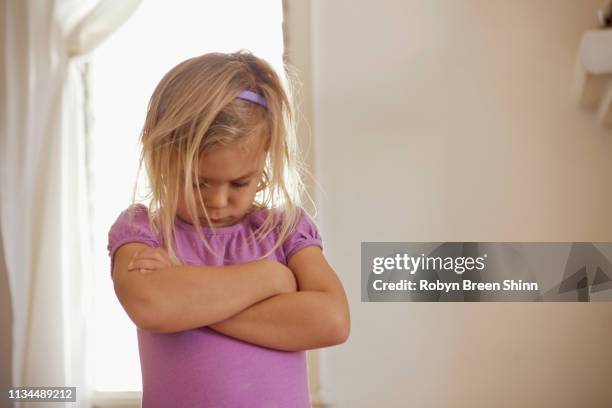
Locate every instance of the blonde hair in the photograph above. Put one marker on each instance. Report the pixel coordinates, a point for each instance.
(194, 110)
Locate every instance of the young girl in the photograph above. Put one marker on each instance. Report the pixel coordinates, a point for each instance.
(224, 274)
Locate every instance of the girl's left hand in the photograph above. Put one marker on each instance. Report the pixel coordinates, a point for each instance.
(150, 259)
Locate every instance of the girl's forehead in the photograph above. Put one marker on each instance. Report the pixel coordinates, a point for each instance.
(231, 162)
(252, 145)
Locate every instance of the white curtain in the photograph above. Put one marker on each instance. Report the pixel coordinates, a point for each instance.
(45, 212)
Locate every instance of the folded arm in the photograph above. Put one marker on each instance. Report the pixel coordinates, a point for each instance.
(182, 297)
(316, 316)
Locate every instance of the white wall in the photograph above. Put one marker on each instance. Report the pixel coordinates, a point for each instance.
(452, 120)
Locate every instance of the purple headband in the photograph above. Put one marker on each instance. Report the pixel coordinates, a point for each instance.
(253, 97)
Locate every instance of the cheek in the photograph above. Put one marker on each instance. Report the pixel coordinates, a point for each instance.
(182, 201)
(246, 196)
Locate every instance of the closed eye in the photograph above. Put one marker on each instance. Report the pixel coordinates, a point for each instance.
(234, 184)
(241, 184)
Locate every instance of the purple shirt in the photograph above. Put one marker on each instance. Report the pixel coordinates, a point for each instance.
(202, 367)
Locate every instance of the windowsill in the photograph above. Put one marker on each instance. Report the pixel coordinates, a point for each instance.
(131, 399)
(106, 399)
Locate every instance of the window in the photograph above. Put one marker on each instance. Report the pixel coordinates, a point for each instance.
(125, 70)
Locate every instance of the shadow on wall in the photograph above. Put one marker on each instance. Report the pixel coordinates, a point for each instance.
(6, 325)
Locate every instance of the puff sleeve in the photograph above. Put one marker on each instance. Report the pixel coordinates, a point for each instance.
(306, 234)
(122, 231)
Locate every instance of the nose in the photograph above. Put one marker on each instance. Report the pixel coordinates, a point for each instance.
(215, 198)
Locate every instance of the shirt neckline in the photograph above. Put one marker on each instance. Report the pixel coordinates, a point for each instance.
(218, 230)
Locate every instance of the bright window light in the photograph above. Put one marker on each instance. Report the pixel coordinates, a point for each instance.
(125, 70)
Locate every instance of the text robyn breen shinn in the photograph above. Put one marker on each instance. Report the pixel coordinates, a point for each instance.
(459, 265)
(465, 285)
